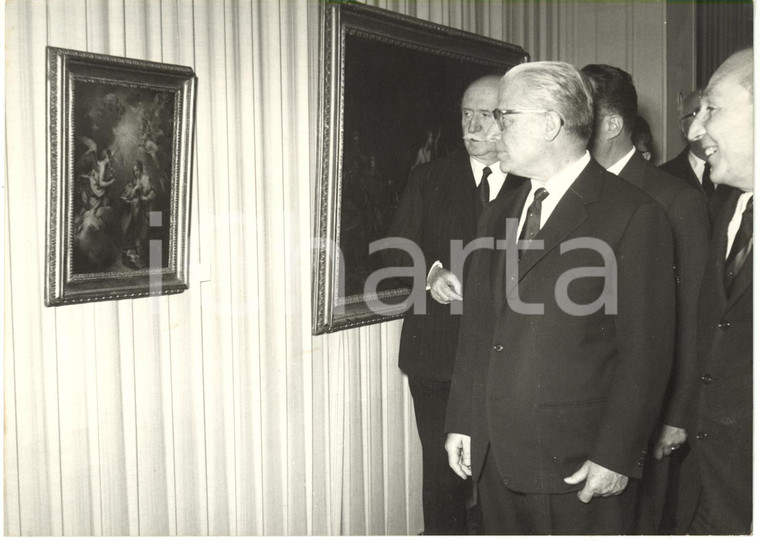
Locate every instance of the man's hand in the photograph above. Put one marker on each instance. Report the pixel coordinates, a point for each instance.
(458, 448)
(600, 482)
(670, 439)
(445, 287)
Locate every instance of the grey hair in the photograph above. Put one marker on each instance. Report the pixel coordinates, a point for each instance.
(560, 87)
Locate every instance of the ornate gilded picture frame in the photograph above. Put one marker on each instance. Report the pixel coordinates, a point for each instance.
(120, 146)
(390, 91)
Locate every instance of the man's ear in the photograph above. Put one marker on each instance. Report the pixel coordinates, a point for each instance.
(612, 126)
(552, 124)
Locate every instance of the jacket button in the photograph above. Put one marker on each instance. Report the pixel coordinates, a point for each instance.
(706, 378)
(505, 482)
(724, 325)
(701, 435)
(498, 347)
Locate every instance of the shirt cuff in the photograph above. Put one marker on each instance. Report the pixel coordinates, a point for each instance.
(436, 265)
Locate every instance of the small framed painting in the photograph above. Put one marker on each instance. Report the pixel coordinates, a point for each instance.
(120, 144)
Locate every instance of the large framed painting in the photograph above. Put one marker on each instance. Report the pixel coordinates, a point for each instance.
(120, 143)
(390, 94)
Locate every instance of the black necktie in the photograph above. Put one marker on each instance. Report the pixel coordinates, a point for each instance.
(533, 218)
(706, 182)
(741, 247)
(483, 189)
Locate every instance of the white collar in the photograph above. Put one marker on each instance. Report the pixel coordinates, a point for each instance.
(560, 182)
(618, 166)
(697, 164)
(478, 167)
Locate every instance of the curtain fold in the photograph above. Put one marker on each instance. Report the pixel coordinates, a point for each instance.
(723, 27)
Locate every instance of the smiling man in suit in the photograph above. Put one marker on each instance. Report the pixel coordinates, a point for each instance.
(441, 204)
(564, 355)
(716, 488)
(615, 109)
(690, 164)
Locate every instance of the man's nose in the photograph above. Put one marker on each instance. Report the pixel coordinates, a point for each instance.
(697, 128)
(474, 126)
(493, 133)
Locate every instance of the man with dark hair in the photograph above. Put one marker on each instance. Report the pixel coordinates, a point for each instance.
(615, 103)
(642, 138)
(716, 488)
(442, 203)
(690, 164)
(567, 334)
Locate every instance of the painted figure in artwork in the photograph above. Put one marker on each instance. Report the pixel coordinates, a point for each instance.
(138, 194)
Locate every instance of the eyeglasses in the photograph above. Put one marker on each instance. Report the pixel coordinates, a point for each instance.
(690, 115)
(500, 114)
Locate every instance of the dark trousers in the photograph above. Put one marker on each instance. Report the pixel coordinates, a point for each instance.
(444, 494)
(510, 513)
(712, 509)
(657, 507)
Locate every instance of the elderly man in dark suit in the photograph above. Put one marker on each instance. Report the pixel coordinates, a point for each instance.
(615, 105)
(441, 204)
(567, 340)
(690, 164)
(716, 488)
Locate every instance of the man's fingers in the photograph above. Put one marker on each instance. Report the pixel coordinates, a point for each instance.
(443, 293)
(659, 452)
(578, 476)
(600, 482)
(586, 494)
(454, 463)
(457, 447)
(446, 287)
(456, 287)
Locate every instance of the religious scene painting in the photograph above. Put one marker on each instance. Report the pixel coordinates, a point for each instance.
(122, 173)
(119, 173)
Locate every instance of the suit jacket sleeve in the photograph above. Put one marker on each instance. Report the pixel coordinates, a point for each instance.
(691, 231)
(409, 220)
(644, 327)
(474, 333)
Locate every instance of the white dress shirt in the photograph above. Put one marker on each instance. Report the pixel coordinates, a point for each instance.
(733, 226)
(697, 165)
(495, 179)
(556, 185)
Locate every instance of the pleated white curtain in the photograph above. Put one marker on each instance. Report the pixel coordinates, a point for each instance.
(216, 411)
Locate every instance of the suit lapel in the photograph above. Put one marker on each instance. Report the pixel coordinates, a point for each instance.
(509, 207)
(717, 262)
(742, 281)
(689, 171)
(462, 182)
(634, 171)
(569, 213)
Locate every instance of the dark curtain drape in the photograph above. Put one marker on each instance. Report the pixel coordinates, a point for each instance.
(723, 27)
